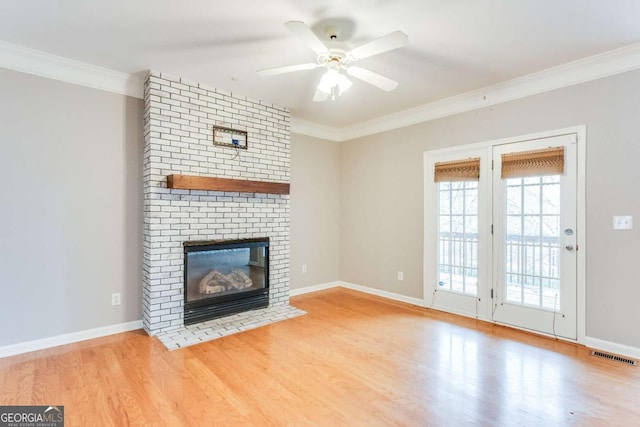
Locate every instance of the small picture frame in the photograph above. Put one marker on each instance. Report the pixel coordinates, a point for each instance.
(228, 137)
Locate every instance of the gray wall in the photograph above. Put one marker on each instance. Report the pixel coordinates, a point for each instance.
(315, 189)
(70, 223)
(381, 211)
(71, 158)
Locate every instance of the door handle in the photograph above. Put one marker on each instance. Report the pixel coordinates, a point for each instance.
(569, 247)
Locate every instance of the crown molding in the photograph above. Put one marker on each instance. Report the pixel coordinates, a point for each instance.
(305, 127)
(31, 61)
(583, 70)
(606, 64)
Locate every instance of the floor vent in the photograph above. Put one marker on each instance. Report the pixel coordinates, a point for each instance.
(615, 358)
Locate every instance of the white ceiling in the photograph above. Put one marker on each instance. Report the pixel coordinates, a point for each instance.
(455, 45)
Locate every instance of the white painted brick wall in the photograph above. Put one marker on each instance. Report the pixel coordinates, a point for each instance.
(179, 118)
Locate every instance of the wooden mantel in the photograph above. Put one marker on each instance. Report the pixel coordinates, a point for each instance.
(190, 182)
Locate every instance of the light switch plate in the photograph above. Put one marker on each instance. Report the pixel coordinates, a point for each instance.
(623, 222)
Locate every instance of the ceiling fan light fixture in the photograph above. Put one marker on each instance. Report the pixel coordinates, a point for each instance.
(334, 83)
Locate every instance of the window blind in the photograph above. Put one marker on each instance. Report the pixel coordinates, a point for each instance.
(549, 161)
(457, 170)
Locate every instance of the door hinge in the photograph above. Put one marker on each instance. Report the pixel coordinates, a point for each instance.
(491, 164)
(491, 293)
(491, 228)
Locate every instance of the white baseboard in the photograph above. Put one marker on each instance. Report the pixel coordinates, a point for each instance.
(612, 347)
(25, 347)
(353, 286)
(383, 294)
(314, 288)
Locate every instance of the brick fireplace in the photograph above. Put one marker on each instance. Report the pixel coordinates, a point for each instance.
(179, 118)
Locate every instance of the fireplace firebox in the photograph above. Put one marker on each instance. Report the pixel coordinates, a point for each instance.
(225, 277)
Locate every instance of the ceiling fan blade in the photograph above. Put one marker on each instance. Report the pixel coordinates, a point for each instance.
(301, 30)
(383, 44)
(372, 78)
(320, 96)
(287, 69)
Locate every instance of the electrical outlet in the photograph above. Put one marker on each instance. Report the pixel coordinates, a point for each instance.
(115, 299)
(400, 275)
(304, 268)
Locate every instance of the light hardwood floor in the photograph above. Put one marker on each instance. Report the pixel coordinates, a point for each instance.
(353, 360)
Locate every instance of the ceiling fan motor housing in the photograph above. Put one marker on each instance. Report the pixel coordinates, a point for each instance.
(333, 56)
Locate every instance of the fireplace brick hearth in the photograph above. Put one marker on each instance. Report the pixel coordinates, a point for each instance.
(179, 117)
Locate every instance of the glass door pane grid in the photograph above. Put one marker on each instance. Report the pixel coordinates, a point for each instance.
(532, 237)
(458, 237)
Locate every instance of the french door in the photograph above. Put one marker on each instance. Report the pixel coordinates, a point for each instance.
(457, 222)
(534, 240)
(502, 246)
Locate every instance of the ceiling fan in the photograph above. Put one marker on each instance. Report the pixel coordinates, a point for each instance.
(335, 59)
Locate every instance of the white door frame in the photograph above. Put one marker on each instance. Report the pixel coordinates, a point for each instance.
(429, 252)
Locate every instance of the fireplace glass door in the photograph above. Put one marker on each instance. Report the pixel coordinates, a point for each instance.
(225, 275)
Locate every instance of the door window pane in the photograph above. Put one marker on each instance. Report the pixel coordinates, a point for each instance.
(458, 237)
(532, 239)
